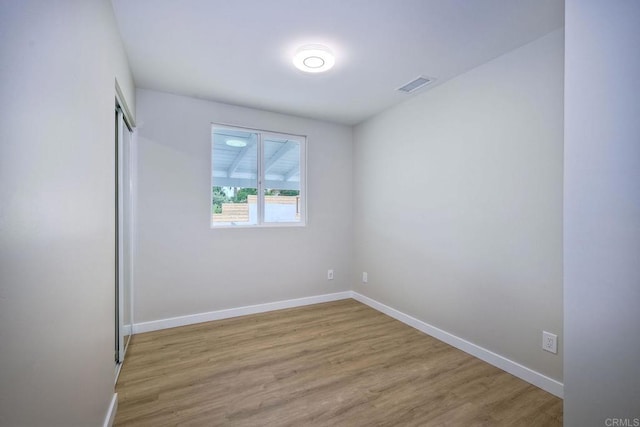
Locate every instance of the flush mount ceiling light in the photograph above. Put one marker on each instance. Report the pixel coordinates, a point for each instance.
(235, 143)
(314, 58)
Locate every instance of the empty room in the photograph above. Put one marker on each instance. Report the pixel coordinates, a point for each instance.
(332, 213)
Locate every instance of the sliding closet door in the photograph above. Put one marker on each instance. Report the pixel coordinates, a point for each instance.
(124, 239)
(126, 262)
(119, 217)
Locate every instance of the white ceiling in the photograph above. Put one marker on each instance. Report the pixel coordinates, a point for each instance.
(239, 51)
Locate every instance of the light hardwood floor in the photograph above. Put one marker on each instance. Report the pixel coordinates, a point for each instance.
(334, 364)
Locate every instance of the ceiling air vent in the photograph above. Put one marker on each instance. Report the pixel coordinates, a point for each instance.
(415, 84)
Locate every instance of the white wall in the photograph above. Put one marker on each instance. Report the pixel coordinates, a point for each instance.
(458, 205)
(182, 266)
(57, 67)
(602, 213)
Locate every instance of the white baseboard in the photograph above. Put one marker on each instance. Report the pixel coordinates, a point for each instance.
(235, 312)
(539, 380)
(111, 412)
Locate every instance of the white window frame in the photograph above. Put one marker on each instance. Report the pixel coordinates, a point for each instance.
(263, 134)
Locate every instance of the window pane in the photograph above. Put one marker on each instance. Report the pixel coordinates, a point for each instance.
(234, 177)
(282, 201)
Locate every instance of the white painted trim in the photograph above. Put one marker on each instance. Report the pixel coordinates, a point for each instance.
(539, 380)
(118, 369)
(173, 322)
(125, 108)
(532, 377)
(111, 412)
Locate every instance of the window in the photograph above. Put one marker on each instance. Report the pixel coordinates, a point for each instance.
(257, 178)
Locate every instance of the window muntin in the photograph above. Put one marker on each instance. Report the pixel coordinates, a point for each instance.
(257, 178)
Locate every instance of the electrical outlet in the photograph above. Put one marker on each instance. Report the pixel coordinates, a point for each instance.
(549, 342)
(329, 274)
(365, 277)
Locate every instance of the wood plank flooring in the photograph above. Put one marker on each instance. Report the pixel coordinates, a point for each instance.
(334, 364)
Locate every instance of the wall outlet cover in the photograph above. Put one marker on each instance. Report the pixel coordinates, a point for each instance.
(549, 342)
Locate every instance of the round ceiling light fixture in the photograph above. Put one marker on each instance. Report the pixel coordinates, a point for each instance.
(314, 58)
(235, 143)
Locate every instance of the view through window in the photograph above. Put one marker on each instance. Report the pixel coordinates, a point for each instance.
(257, 178)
